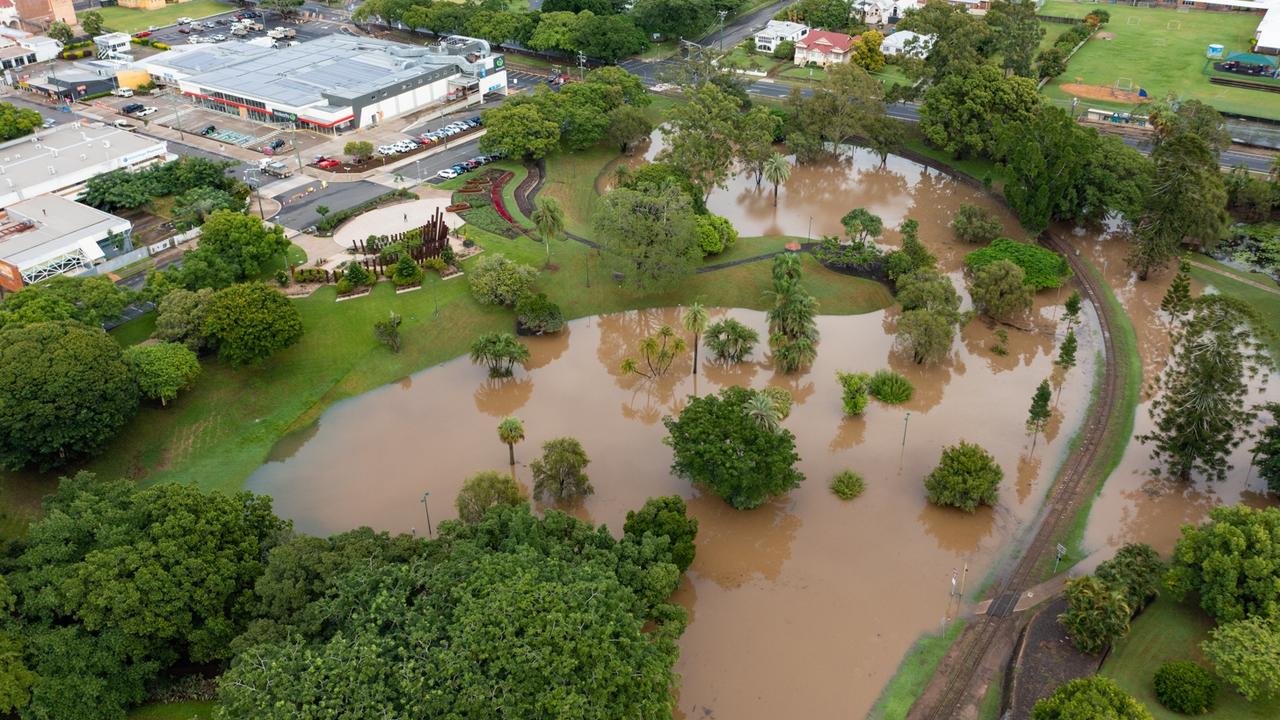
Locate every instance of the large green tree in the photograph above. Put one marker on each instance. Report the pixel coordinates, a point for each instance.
(89, 300)
(64, 392)
(1246, 653)
(250, 322)
(485, 490)
(1267, 451)
(1185, 203)
(161, 370)
(964, 112)
(180, 317)
(1016, 34)
(243, 241)
(519, 129)
(649, 236)
(1200, 412)
(1097, 614)
(966, 477)
(560, 474)
(1000, 291)
(1232, 562)
(793, 327)
(16, 122)
(718, 447)
(453, 630)
(702, 134)
(665, 517)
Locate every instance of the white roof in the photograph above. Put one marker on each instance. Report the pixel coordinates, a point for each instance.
(781, 28)
(57, 227)
(114, 38)
(896, 43)
(1268, 33)
(68, 152)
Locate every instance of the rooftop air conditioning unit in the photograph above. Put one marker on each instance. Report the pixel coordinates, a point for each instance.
(83, 157)
(52, 170)
(106, 143)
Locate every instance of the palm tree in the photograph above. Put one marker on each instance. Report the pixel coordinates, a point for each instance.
(763, 411)
(776, 171)
(511, 431)
(694, 320)
(549, 219)
(500, 351)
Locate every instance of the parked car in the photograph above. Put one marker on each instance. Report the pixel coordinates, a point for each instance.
(132, 108)
(219, 37)
(49, 122)
(122, 125)
(122, 92)
(447, 173)
(326, 163)
(183, 21)
(184, 30)
(473, 164)
(143, 34)
(148, 110)
(276, 144)
(208, 130)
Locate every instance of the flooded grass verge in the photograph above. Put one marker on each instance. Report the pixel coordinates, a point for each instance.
(914, 673)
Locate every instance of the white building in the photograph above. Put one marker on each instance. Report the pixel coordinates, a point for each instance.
(883, 12)
(778, 32)
(8, 14)
(19, 48)
(111, 45)
(333, 83)
(62, 159)
(50, 235)
(905, 42)
(1266, 38)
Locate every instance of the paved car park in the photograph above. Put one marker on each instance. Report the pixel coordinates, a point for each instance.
(209, 27)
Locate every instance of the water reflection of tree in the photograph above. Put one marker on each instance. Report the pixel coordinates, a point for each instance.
(955, 530)
(794, 383)
(736, 547)
(544, 349)
(850, 433)
(730, 373)
(1158, 508)
(499, 397)
(930, 380)
(621, 333)
(651, 399)
(1028, 471)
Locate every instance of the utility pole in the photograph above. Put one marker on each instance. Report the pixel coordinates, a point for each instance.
(582, 66)
(427, 507)
(723, 13)
(293, 137)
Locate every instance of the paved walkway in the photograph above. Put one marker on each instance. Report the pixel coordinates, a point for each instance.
(397, 218)
(1232, 276)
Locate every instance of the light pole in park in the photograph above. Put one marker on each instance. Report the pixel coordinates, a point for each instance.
(427, 507)
(251, 179)
(723, 13)
(582, 66)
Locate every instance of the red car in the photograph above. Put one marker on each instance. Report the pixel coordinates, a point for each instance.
(143, 34)
(327, 163)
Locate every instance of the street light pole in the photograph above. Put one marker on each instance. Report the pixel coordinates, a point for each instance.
(427, 507)
(723, 13)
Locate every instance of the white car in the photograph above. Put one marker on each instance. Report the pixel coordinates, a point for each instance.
(184, 21)
(447, 174)
(146, 111)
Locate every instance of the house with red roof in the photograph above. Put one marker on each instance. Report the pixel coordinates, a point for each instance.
(823, 48)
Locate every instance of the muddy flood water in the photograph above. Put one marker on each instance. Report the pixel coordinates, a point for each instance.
(803, 607)
(1137, 504)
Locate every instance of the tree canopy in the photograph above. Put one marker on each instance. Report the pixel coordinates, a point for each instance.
(88, 300)
(64, 392)
(717, 446)
(966, 477)
(649, 236)
(250, 322)
(1232, 562)
(1090, 698)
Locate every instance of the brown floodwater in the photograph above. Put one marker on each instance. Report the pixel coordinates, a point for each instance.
(803, 607)
(818, 194)
(1138, 504)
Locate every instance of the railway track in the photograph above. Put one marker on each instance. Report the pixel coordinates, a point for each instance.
(1077, 480)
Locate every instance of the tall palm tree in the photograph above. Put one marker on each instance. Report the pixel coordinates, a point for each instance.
(511, 431)
(777, 170)
(549, 219)
(695, 320)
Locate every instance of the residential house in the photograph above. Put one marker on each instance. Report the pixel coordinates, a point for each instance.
(905, 42)
(883, 12)
(775, 33)
(823, 48)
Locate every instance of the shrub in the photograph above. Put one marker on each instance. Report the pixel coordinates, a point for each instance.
(966, 477)
(782, 400)
(847, 485)
(975, 224)
(1042, 268)
(356, 275)
(889, 387)
(1089, 697)
(1135, 570)
(496, 280)
(730, 340)
(665, 517)
(282, 277)
(344, 286)
(786, 50)
(715, 234)
(854, 391)
(485, 490)
(308, 275)
(539, 316)
(863, 257)
(1185, 687)
(406, 272)
(1097, 614)
(436, 264)
(1246, 654)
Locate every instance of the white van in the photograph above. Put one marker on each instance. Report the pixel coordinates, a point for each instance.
(123, 92)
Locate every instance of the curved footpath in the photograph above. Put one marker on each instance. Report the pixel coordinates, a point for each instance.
(961, 678)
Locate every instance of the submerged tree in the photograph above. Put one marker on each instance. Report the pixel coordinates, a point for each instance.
(1178, 297)
(777, 170)
(1067, 352)
(694, 319)
(510, 432)
(1200, 413)
(1072, 309)
(793, 329)
(485, 490)
(1038, 416)
(559, 474)
(657, 351)
(500, 351)
(1267, 452)
(730, 340)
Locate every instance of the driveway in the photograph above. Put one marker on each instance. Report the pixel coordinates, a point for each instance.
(298, 208)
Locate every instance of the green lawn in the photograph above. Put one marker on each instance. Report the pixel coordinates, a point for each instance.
(191, 710)
(1163, 51)
(1169, 630)
(130, 20)
(913, 674)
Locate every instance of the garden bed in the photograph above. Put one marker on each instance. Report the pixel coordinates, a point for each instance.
(485, 204)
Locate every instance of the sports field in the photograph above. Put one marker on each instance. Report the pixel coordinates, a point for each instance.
(130, 20)
(1161, 50)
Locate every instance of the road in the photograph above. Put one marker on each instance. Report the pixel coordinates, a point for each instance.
(738, 29)
(300, 214)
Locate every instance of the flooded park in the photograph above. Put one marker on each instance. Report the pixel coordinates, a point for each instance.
(805, 606)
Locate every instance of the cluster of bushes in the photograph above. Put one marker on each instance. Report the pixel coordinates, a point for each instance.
(333, 220)
(1251, 199)
(847, 485)
(886, 386)
(1042, 268)
(1185, 687)
(1099, 607)
(536, 315)
(975, 224)
(859, 257)
(310, 275)
(966, 477)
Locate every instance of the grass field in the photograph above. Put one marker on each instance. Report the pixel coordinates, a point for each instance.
(913, 674)
(174, 711)
(129, 20)
(1267, 304)
(1166, 631)
(1163, 51)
